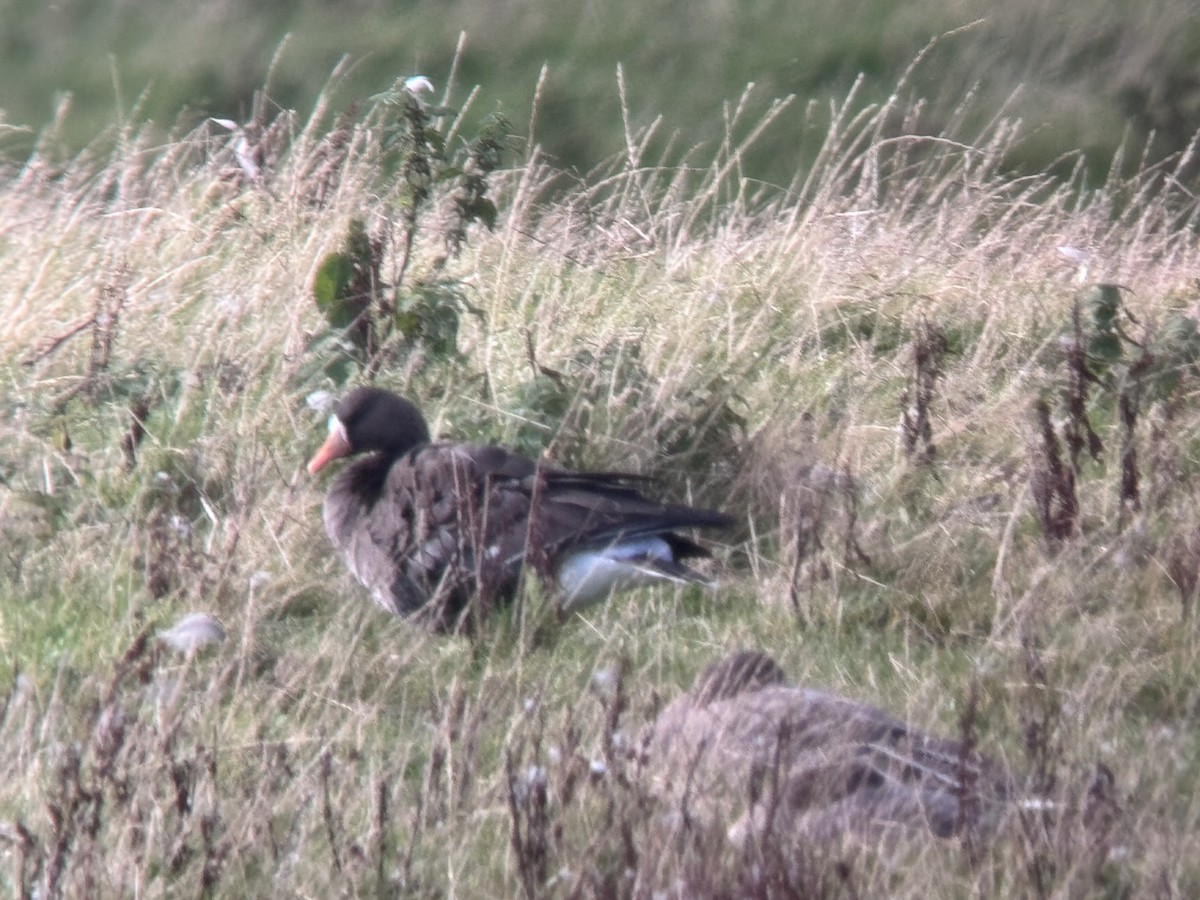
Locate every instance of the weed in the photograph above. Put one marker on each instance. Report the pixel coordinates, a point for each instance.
(916, 429)
(1051, 480)
(1097, 361)
(360, 304)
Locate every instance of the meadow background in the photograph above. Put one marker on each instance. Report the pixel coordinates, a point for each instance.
(963, 458)
(1085, 76)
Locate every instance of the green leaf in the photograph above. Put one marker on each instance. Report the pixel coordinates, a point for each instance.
(484, 210)
(330, 290)
(1181, 340)
(329, 357)
(341, 368)
(1106, 347)
(1105, 303)
(436, 143)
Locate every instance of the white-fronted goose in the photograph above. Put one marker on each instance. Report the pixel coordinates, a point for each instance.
(766, 759)
(430, 527)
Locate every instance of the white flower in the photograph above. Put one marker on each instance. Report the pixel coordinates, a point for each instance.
(193, 631)
(417, 83)
(319, 401)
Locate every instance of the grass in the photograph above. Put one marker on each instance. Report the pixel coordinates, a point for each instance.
(1093, 76)
(750, 345)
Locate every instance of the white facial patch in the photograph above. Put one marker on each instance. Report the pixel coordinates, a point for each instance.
(336, 427)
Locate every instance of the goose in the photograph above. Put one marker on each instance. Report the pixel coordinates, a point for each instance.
(438, 532)
(770, 760)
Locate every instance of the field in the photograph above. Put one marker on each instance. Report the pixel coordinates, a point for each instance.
(953, 410)
(1082, 75)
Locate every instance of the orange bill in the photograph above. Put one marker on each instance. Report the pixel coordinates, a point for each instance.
(335, 446)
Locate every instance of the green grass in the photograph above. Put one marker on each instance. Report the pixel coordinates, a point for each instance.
(1098, 77)
(750, 345)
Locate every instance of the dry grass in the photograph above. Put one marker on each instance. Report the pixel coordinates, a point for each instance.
(751, 347)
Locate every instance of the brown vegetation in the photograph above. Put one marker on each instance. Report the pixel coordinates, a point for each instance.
(1017, 590)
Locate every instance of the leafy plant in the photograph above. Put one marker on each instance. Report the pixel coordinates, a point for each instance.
(1105, 311)
(365, 310)
(1106, 368)
(346, 286)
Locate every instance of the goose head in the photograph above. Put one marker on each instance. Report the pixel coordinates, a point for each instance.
(371, 420)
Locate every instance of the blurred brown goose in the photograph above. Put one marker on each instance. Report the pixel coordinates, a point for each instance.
(429, 527)
(761, 757)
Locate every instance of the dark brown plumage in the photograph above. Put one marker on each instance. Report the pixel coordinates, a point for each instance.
(430, 527)
(766, 759)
